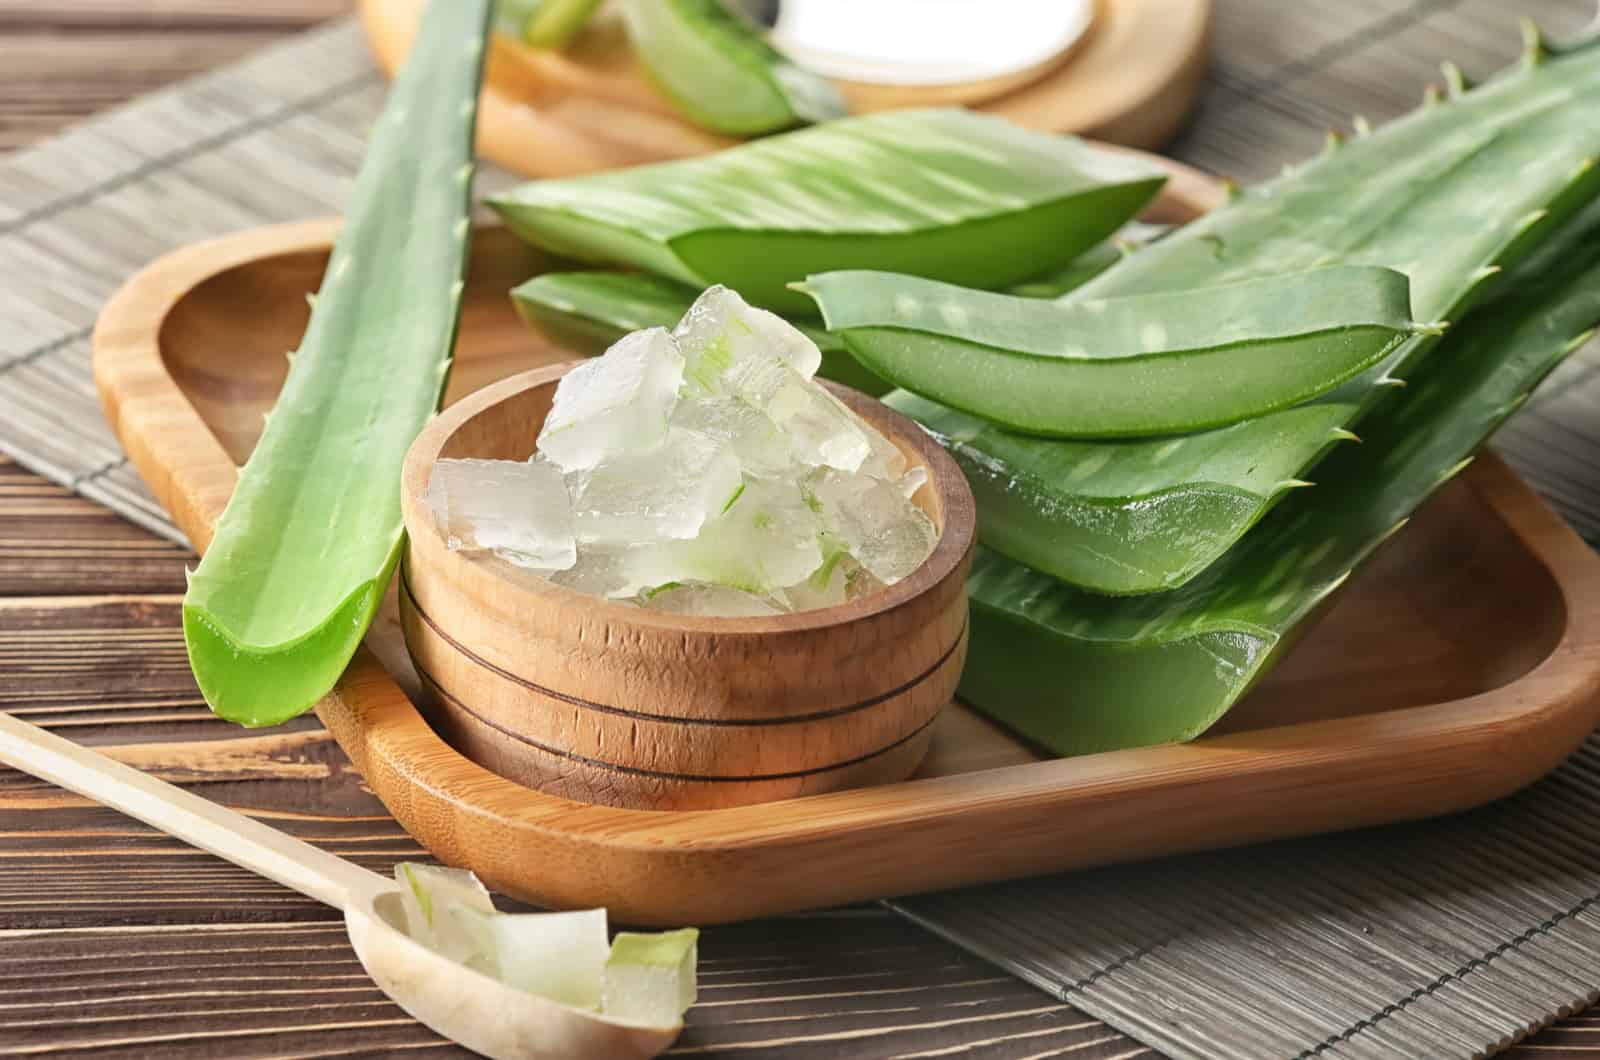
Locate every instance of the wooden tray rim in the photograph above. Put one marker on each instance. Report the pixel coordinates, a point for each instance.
(1120, 805)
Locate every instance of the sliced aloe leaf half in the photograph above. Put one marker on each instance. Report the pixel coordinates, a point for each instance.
(1162, 363)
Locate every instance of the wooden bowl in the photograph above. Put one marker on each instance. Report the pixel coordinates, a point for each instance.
(603, 702)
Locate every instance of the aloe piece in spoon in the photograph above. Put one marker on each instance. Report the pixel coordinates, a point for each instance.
(946, 194)
(1079, 672)
(303, 552)
(720, 71)
(1160, 363)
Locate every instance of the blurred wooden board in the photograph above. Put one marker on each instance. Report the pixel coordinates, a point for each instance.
(1130, 81)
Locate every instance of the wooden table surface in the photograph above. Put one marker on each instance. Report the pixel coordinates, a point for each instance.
(117, 941)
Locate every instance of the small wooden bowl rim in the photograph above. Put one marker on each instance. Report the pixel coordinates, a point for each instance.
(958, 512)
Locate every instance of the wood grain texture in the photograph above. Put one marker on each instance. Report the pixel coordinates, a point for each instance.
(118, 940)
(115, 941)
(60, 62)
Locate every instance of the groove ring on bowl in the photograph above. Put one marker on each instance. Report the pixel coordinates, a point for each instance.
(604, 702)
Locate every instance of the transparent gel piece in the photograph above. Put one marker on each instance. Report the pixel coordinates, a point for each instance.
(443, 908)
(827, 586)
(723, 336)
(664, 494)
(884, 459)
(518, 509)
(561, 956)
(605, 571)
(767, 539)
(913, 480)
(874, 521)
(761, 447)
(650, 978)
(616, 403)
(822, 431)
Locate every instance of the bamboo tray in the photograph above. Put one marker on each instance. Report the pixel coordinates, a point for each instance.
(1130, 81)
(1462, 664)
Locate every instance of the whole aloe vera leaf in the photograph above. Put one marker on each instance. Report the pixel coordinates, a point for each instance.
(942, 193)
(1079, 672)
(1138, 365)
(720, 71)
(304, 549)
(1409, 195)
(1035, 496)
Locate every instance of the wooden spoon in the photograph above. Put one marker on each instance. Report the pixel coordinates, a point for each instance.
(465, 1006)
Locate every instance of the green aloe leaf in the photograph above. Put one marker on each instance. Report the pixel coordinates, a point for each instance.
(945, 194)
(304, 550)
(1137, 524)
(1079, 672)
(1138, 365)
(543, 23)
(586, 312)
(720, 71)
(1408, 196)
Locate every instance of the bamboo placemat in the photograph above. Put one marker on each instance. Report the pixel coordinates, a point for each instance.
(1438, 939)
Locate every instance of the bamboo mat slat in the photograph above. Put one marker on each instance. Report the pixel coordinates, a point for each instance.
(1430, 940)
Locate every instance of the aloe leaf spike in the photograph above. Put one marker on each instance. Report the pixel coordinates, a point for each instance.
(303, 552)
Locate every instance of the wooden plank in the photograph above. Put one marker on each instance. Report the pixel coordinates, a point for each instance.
(51, 542)
(118, 939)
(60, 63)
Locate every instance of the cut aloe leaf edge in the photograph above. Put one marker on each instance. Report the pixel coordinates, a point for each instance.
(304, 549)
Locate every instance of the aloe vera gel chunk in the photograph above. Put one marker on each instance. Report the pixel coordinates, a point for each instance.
(650, 978)
(705, 471)
(945, 194)
(643, 979)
